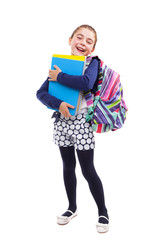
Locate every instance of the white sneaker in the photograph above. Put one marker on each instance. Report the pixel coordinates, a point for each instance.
(101, 227)
(62, 220)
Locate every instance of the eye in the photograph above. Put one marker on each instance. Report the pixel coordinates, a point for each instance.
(89, 42)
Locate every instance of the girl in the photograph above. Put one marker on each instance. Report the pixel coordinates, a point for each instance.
(73, 132)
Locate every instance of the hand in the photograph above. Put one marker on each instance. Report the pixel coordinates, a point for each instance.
(64, 109)
(54, 73)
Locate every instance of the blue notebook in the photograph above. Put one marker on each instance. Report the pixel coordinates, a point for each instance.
(73, 65)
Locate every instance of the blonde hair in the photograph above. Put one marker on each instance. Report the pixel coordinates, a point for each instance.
(88, 27)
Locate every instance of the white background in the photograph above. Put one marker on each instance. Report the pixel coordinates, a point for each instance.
(127, 161)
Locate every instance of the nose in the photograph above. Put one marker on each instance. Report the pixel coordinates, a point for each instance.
(82, 42)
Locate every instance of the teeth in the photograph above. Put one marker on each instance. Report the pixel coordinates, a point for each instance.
(81, 49)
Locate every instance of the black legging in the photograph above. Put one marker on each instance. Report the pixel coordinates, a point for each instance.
(89, 172)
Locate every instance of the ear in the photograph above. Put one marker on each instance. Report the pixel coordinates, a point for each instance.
(69, 41)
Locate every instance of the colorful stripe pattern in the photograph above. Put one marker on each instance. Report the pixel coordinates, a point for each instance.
(107, 111)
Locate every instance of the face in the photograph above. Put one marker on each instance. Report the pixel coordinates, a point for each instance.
(82, 42)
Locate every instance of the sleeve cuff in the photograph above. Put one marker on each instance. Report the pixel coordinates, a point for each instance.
(59, 76)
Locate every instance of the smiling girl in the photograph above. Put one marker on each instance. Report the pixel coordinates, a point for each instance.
(82, 41)
(73, 132)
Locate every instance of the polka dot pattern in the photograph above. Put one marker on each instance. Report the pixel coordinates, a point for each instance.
(74, 131)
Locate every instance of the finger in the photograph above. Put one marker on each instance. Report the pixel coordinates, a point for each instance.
(70, 106)
(49, 74)
(67, 113)
(56, 67)
(51, 79)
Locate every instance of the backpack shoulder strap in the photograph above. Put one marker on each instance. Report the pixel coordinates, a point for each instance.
(87, 94)
(90, 100)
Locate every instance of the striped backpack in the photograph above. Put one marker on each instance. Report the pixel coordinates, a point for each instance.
(106, 109)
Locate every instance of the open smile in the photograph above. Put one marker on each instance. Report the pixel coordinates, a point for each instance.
(80, 49)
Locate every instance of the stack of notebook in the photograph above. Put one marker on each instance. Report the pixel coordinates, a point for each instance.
(73, 65)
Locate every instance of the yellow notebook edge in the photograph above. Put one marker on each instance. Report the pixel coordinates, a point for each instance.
(72, 57)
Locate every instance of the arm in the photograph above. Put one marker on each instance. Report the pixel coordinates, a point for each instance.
(51, 101)
(46, 98)
(83, 82)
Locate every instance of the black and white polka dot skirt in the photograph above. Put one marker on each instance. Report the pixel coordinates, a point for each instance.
(74, 131)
